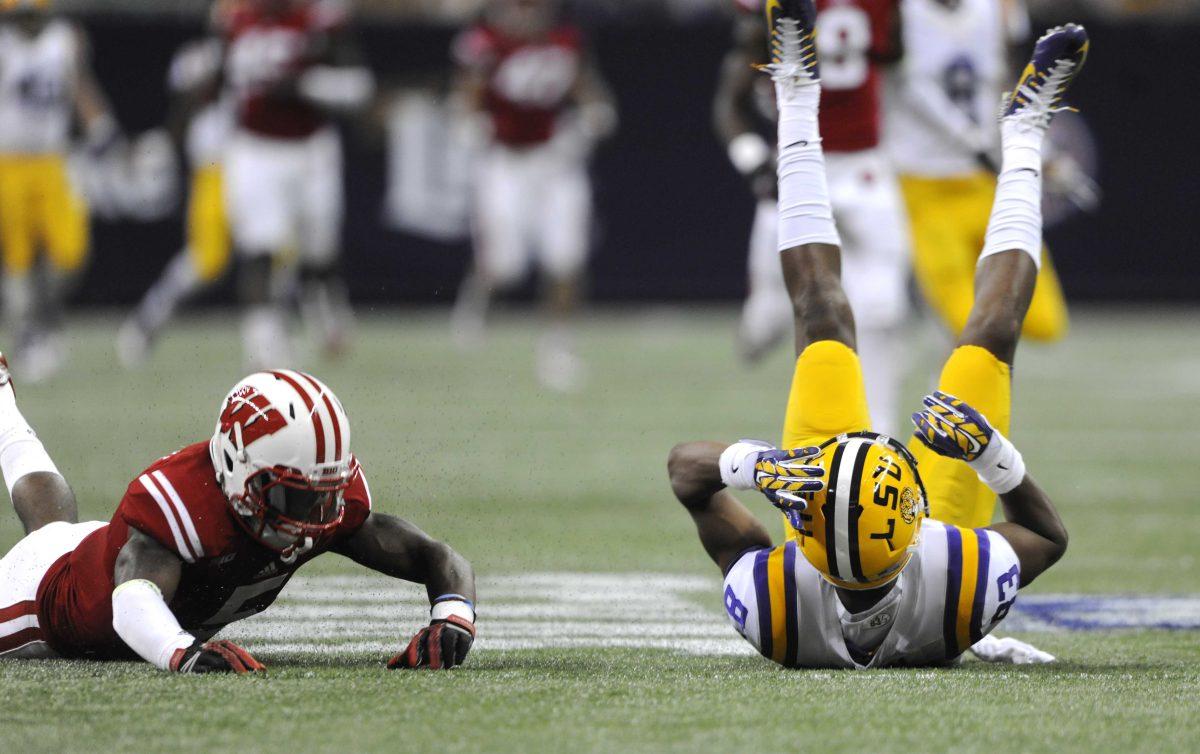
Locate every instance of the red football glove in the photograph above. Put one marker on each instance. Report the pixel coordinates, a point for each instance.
(219, 656)
(444, 643)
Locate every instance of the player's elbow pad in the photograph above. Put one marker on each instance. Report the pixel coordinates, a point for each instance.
(143, 621)
(338, 87)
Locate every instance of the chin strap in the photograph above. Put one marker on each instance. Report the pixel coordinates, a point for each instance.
(289, 555)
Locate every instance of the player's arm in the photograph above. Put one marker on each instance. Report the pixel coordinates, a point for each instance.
(394, 547)
(472, 57)
(596, 105)
(701, 472)
(146, 576)
(193, 80)
(1032, 526)
(91, 106)
(342, 81)
(733, 107)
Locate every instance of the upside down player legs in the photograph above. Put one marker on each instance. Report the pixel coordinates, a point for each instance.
(867, 578)
(210, 535)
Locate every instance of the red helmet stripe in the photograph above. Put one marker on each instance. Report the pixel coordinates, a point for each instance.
(318, 427)
(333, 417)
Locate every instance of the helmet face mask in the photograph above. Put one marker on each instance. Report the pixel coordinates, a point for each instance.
(282, 508)
(282, 458)
(861, 531)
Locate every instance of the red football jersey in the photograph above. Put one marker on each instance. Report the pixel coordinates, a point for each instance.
(266, 54)
(851, 36)
(529, 82)
(226, 574)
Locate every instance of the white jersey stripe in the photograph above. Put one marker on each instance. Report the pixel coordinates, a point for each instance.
(20, 623)
(841, 513)
(180, 545)
(182, 510)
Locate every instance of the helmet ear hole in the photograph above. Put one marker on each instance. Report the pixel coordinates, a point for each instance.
(228, 462)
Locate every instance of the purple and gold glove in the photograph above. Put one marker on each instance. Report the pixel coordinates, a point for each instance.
(951, 428)
(789, 478)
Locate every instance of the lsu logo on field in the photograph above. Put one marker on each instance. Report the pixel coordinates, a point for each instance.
(254, 412)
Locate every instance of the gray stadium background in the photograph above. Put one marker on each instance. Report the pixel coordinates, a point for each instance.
(673, 216)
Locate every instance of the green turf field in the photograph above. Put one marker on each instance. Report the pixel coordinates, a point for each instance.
(589, 571)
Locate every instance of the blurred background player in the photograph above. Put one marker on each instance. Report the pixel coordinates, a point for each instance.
(544, 107)
(289, 66)
(46, 87)
(200, 118)
(942, 136)
(854, 38)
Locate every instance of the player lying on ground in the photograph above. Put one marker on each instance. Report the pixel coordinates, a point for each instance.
(880, 583)
(209, 535)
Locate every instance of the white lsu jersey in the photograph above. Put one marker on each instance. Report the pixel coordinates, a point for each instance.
(957, 587)
(37, 82)
(943, 99)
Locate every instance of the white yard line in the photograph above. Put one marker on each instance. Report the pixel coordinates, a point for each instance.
(370, 614)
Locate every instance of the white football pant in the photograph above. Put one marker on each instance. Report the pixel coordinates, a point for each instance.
(532, 205)
(285, 194)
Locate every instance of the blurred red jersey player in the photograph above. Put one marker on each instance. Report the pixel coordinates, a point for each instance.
(854, 38)
(289, 65)
(542, 107)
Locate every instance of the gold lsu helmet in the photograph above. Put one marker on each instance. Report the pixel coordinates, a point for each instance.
(861, 529)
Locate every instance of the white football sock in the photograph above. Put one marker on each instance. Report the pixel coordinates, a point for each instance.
(21, 452)
(805, 215)
(1016, 221)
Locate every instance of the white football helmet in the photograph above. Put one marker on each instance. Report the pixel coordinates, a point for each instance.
(281, 451)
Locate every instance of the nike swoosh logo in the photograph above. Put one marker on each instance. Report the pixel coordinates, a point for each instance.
(1002, 467)
(735, 469)
(801, 143)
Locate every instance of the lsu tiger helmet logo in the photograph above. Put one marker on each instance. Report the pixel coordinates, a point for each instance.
(860, 530)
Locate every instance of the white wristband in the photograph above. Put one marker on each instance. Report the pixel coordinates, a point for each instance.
(748, 152)
(143, 621)
(1000, 466)
(737, 463)
(444, 609)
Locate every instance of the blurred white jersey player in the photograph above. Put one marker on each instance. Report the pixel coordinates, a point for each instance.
(46, 88)
(201, 119)
(289, 67)
(942, 136)
(854, 38)
(542, 106)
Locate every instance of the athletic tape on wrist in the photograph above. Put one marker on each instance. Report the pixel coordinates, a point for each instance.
(443, 609)
(1000, 466)
(737, 463)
